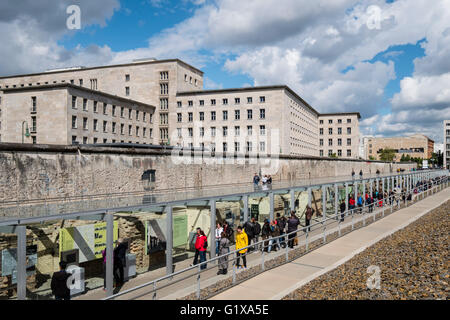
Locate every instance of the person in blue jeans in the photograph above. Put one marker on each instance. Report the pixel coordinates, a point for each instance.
(201, 244)
(218, 235)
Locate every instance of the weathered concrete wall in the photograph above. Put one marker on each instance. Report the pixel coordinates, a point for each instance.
(37, 172)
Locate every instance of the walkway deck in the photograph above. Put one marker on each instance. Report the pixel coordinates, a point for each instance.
(281, 281)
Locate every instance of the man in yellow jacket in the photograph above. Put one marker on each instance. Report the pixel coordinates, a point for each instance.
(241, 242)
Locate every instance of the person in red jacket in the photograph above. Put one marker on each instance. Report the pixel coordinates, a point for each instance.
(201, 243)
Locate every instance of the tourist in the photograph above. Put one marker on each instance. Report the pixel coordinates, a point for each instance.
(241, 243)
(264, 183)
(281, 222)
(265, 234)
(256, 231)
(342, 207)
(292, 225)
(249, 227)
(218, 234)
(228, 231)
(59, 283)
(256, 180)
(269, 181)
(224, 248)
(197, 252)
(308, 216)
(360, 202)
(353, 174)
(378, 172)
(119, 259)
(274, 233)
(201, 244)
(351, 204)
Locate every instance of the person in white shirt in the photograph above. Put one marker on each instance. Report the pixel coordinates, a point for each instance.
(218, 235)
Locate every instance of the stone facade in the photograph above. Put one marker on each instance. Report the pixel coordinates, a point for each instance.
(339, 135)
(64, 114)
(416, 146)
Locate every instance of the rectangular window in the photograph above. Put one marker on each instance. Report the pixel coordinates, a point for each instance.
(262, 146)
(262, 99)
(202, 132)
(74, 122)
(95, 107)
(113, 127)
(321, 131)
(262, 130)
(225, 147)
(339, 130)
(127, 91)
(250, 114)
(249, 130)
(95, 125)
(164, 88)
(190, 132)
(349, 130)
(340, 121)
(74, 139)
(179, 132)
(321, 142)
(179, 104)
(129, 114)
(137, 115)
(85, 105)
(330, 121)
(349, 120)
(213, 102)
(137, 131)
(321, 153)
(237, 114)
(190, 117)
(225, 115)
(144, 116)
(105, 126)
(321, 121)
(249, 100)
(127, 77)
(105, 108)
(202, 116)
(237, 131)
(202, 102)
(81, 82)
(130, 128)
(113, 111)
(330, 131)
(225, 101)
(262, 113)
(213, 131)
(74, 102)
(349, 153)
(225, 131)
(33, 104)
(213, 115)
(349, 142)
(95, 140)
(237, 147)
(190, 103)
(237, 100)
(122, 128)
(164, 103)
(85, 123)
(249, 147)
(339, 142)
(33, 124)
(330, 142)
(339, 153)
(330, 153)
(179, 117)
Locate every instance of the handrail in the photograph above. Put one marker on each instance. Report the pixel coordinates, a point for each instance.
(419, 187)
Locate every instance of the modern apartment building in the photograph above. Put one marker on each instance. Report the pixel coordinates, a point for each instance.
(447, 144)
(339, 135)
(270, 119)
(67, 114)
(416, 146)
(265, 119)
(150, 81)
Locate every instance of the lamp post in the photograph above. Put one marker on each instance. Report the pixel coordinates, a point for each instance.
(27, 131)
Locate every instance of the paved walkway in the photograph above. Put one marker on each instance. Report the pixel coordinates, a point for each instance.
(281, 281)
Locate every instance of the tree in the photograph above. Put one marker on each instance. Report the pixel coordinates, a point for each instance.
(387, 155)
(406, 158)
(333, 155)
(371, 158)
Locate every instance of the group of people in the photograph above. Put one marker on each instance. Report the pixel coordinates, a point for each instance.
(266, 182)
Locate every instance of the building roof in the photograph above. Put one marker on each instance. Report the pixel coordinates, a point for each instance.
(106, 66)
(69, 85)
(259, 88)
(341, 114)
(411, 136)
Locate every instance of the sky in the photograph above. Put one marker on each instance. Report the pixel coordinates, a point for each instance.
(388, 60)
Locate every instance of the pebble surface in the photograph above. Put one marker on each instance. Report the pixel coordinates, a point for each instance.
(413, 262)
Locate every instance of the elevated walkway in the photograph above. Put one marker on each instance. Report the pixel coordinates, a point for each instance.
(278, 282)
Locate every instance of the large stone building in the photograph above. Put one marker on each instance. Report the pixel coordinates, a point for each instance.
(66, 114)
(270, 119)
(339, 134)
(415, 146)
(447, 144)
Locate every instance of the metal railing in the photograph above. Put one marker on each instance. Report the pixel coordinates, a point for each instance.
(422, 188)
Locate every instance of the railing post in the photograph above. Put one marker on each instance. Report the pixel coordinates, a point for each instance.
(21, 262)
(287, 250)
(198, 281)
(306, 240)
(233, 264)
(109, 253)
(169, 240)
(262, 260)
(154, 290)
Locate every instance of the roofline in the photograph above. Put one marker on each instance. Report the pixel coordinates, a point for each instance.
(402, 137)
(341, 114)
(273, 87)
(104, 67)
(69, 85)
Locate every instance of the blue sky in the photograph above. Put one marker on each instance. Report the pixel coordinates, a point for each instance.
(388, 60)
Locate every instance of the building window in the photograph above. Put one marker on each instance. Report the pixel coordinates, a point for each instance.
(85, 123)
(237, 100)
(321, 121)
(137, 131)
(164, 88)
(340, 121)
(262, 130)
(213, 131)
(105, 108)
(237, 131)
(130, 128)
(249, 130)
(213, 147)
(202, 132)
(105, 124)
(127, 77)
(330, 131)
(349, 153)
(122, 127)
(213, 102)
(321, 131)
(339, 153)
(202, 116)
(81, 82)
(330, 153)
(330, 142)
(137, 115)
(164, 75)
(164, 103)
(237, 115)
(95, 125)
(339, 130)
(74, 122)
(321, 142)
(127, 91)
(113, 127)
(129, 114)
(144, 116)
(190, 117)
(33, 139)
(225, 101)
(74, 139)
(249, 100)
(33, 104)
(349, 120)
(202, 102)
(225, 147)
(262, 113)
(330, 121)
(262, 146)
(349, 142)
(213, 115)
(95, 140)
(250, 114)
(237, 147)
(339, 142)
(33, 124)
(225, 115)
(349, 130)
(249, 147)
(74, 102)
(225, 131)
(262, 99)
(179, 117)
(190, 103)
(321, 153)
(95, 106)
(179, 132)
(93, 84)
(179, 104)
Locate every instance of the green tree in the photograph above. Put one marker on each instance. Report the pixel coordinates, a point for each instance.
(371, 158)
(333, 155)
(387, 155)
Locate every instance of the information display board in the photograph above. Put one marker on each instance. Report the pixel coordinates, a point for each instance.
(89, 239)
(156, 234)
(9, 262)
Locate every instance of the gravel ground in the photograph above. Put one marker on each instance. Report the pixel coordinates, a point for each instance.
(413, 264)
